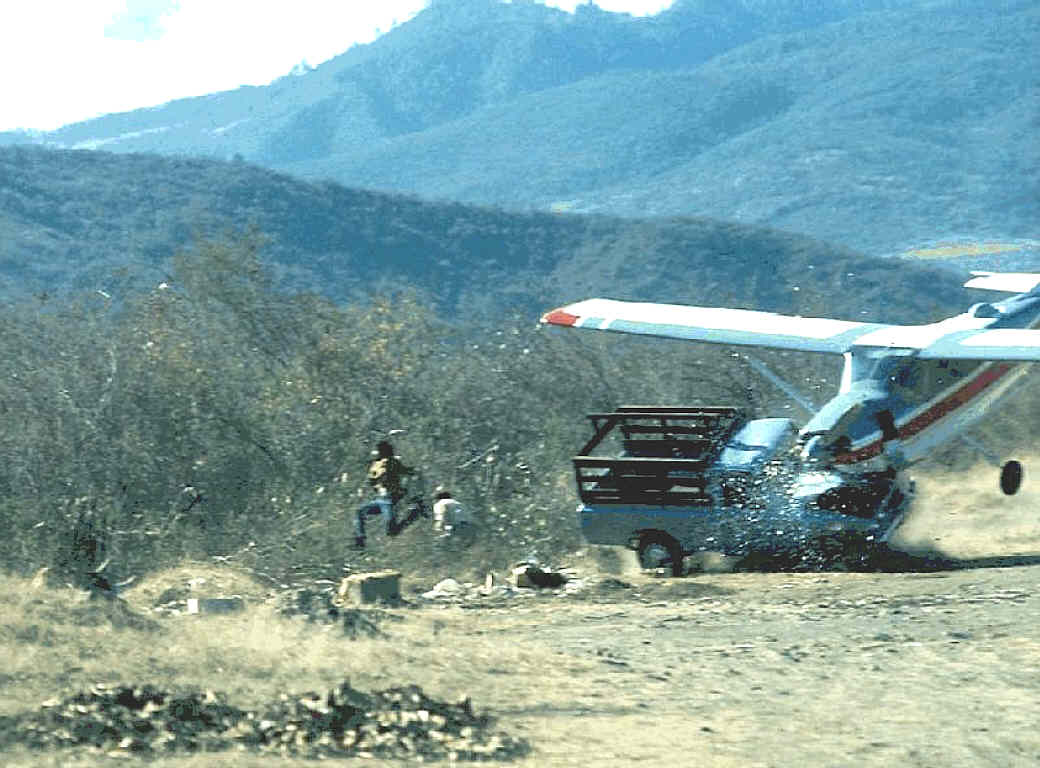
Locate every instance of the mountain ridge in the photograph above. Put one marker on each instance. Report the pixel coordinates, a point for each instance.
(869, 122)
(77, 220)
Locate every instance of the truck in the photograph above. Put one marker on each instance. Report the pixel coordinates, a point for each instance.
(670, 481)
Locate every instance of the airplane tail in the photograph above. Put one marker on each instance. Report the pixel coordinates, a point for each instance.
(1009, 282)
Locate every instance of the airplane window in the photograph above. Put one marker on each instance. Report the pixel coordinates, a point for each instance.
(922, 378)
(905, 376)
(984, 309)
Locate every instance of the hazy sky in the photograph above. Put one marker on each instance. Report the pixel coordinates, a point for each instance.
(68, 60)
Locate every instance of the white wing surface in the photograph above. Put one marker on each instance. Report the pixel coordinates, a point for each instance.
(962, 337)
(711, 324)
(1010, 282)
(1014, 344)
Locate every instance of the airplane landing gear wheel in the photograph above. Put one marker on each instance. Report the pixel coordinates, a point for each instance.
(659, 550)
(1011, 477)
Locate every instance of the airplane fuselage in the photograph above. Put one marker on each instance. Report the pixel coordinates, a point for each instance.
(905, 390)
(891, 398)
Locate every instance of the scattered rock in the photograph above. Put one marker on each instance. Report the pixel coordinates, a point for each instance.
(396, 723)
(167, 593)
(312, 603)
(444, 588)
(172, 595)
(321, 605)
(533, 576)
(527, 579)
(232, 604)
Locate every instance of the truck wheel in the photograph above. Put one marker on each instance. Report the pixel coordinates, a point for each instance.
(659, 550)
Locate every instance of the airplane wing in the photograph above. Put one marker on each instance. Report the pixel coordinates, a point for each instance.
(1009, 282)
(711, 324)
(963, 337)
(1013, 344)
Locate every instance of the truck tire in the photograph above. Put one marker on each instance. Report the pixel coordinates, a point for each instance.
(659, 550)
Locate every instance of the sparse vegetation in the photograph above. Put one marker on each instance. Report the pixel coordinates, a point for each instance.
(215, 428)
(58, 642)
(214, 416)
(76, 222)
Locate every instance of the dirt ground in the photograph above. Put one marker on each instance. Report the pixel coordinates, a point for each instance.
(935, 663)
(935, 669)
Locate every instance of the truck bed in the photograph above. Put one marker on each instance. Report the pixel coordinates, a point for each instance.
(654, 455)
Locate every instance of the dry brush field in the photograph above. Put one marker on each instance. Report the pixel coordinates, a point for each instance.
(933, 663)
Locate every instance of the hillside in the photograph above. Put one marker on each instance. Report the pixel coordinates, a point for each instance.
(455, 57)
(174, 390)
(81, 220)
(862, 132)
(874, 123)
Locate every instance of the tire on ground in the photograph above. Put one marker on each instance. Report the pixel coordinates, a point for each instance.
(659, 550)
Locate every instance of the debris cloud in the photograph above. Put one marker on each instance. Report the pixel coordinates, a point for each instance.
(963, 514)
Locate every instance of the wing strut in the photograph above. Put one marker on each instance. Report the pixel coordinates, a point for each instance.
(786, 387)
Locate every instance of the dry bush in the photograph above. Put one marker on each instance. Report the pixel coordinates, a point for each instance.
(214, 417)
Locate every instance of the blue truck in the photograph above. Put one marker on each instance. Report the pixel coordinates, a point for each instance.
(669, 481)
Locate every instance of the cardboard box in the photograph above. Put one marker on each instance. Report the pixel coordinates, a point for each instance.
(374, 587)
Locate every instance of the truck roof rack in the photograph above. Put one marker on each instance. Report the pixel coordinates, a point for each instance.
(665, 452)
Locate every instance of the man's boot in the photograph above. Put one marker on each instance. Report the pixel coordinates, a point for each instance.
(359, 542)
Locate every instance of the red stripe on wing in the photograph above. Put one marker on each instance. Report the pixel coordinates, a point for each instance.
(559, 317)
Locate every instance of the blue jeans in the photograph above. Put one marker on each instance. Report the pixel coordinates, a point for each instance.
(380, 506)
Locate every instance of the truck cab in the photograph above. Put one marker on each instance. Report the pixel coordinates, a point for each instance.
(744, 457)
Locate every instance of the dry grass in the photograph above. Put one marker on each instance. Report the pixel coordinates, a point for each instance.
(60, 642)
(723, 669)
(537, 664)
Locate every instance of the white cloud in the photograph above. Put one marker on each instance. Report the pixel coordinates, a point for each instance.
(140, 20)
(59, 67)
(47, 54)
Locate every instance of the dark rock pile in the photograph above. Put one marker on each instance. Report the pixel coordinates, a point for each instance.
(124, 718)
(399, 723)
(311, 603)
(321, 606)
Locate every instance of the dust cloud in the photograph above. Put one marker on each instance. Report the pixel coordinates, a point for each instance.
(963, 514)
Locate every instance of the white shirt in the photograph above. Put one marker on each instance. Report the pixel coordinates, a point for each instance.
(449, 512)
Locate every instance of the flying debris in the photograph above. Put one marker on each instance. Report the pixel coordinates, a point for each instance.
(696, 479)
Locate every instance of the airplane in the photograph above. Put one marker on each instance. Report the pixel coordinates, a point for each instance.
(904, 390)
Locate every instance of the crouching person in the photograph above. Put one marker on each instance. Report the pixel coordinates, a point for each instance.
(451, 520)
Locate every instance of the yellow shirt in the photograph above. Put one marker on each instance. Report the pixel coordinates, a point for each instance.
(385, 476)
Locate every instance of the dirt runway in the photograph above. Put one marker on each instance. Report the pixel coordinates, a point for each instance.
(934, 661)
